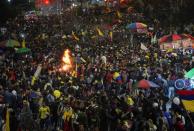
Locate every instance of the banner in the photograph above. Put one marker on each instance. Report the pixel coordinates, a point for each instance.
(36, 74)
(38, 70)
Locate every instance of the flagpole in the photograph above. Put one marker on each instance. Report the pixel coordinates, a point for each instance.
(76, 66)
(76, 54)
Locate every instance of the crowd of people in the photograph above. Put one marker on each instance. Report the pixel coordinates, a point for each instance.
(92, 99)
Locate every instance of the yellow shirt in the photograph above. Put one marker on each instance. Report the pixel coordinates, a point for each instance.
(67, 114)
(130, 101)
(44, 112)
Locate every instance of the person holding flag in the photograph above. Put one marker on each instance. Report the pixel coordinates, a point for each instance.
(187, 100)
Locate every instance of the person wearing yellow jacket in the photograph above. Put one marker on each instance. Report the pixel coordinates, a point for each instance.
(67, 117)
(129, 101)
(44, 113)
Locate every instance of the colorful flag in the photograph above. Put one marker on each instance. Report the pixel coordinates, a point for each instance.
(74, 36)
(117, 77)
(99, 32)
(187, 98)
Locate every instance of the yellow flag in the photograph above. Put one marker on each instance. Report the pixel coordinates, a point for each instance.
(33, 80)
(74, 36)
(188, 104)
(99, 32)
(111, 34)
(119, 14)
(7, 127)
(23, 43)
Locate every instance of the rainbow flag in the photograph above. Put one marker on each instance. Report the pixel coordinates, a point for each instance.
(187, 98)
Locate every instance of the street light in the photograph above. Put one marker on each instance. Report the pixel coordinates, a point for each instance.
(9, 1)
(22, 35)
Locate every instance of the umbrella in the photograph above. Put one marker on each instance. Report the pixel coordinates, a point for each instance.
(23, 50)
(171, 38)
(136, 25)
(145, 84)
(188, 36)
(152, 84)
(9, 43)
(190, 74)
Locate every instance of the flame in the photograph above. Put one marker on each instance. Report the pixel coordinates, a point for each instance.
(66, 57)
(66, 67)
(67, 63)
